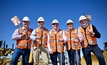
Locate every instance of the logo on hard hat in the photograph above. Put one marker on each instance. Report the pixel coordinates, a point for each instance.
(69, 21)
(40, 19)
(55, 21)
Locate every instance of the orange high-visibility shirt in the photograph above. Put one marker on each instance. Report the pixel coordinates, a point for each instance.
(71, 37)
(54, 39)
(24, 43)
(87, 39)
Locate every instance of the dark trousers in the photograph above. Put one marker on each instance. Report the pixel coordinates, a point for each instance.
(72, 57)
(17, 53)
(97, 51)
(54, 58)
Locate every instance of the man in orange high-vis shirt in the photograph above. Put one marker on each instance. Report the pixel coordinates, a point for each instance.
(23, 42)
(39, 36)
(89, 43)
(73, 39)
(56, 44)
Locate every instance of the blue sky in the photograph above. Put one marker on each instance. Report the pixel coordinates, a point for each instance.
(52, 9)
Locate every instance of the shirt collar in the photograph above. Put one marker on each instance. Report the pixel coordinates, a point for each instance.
(55, 31)
(41, 28)
(24, 28)
(69, 30)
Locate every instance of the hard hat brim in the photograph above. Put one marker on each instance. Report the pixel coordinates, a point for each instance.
(40, 21)
(55, 23)
(26, 21)
(69, 23)
(83, 19)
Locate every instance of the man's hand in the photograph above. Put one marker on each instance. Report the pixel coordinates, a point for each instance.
(91, 33)
(61, 40)
(23, 35)
(51, 52)
(76, 40)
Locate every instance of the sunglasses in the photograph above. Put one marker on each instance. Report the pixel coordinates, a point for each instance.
(40, 21)
(55, 24)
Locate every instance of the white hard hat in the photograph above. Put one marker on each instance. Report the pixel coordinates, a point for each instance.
(82, 18)
(40, 19)
(26, 18)
(55, 21)
(69, 21)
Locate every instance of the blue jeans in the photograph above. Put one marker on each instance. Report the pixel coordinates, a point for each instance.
(17, 53)
(72, 57)
(54, 58)
(97, 51)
